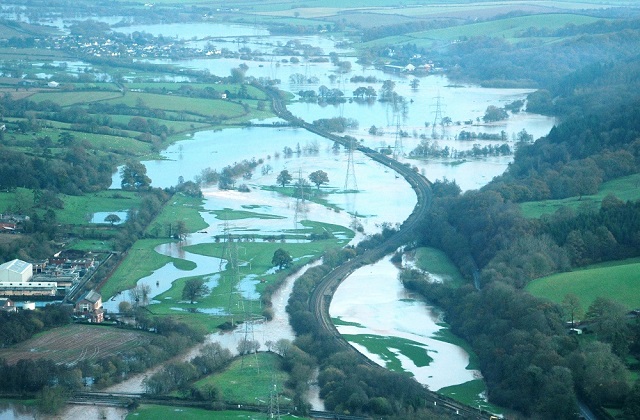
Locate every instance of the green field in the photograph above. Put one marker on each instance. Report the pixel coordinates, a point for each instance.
(618, 281)
(198, 106)
(74, 98)
(471, 393)
(626, 188)
(510, 29)
(155, 412)
(249, 379)
(183, 208)
(386, 347)
(79, 209)
(436, 262)
(141, 261)
(254, 261)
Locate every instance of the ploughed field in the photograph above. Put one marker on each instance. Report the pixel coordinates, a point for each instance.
(75, 343)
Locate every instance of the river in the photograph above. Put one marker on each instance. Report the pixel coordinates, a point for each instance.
(382, 197)
(371, 298)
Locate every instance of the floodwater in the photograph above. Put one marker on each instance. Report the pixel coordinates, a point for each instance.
(374, 302)
(372, 297)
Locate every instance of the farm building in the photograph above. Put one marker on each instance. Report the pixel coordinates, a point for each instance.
(89, 306)
(16, 271)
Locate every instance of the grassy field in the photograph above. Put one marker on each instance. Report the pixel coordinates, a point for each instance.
(618, 281)
(120, 146)
(74, 343)
(249, 379)
(255, 271)
(141, 261)
(74, 98)
(385, 347)
(155, 412)
(626, 188)
(79, 209)
(229, 214)
(180, 208)
(176, 126)
(471, 393)
(509, 29)
(437, 263)
(198, 106)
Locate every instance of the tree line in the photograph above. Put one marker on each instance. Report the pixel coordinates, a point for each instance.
(528, 360)
(49, 379)
(347, 383)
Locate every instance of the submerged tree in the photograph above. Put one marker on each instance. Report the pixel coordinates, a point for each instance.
(319, 178)
(112, 218)
(134, 176)
(284, 177)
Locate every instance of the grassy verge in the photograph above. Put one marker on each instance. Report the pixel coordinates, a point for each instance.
(617, 280)
(472, 394)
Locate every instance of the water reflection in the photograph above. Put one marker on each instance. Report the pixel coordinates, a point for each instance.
(16, 411)
(373, 302)
(372, 298)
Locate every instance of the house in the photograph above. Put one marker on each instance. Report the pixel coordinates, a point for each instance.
(53, 84)
(89, 307)
(7, 305)
(8, 227)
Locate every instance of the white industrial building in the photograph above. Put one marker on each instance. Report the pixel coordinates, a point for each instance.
(16, 271)
(15, 280)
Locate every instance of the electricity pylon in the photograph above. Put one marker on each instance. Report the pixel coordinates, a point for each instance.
(350, 183)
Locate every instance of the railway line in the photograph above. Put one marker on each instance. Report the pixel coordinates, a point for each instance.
(321, 297)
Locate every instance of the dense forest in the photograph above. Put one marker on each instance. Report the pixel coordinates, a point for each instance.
(528, 360)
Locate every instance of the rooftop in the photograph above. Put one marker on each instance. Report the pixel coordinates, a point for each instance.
(17, 266)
